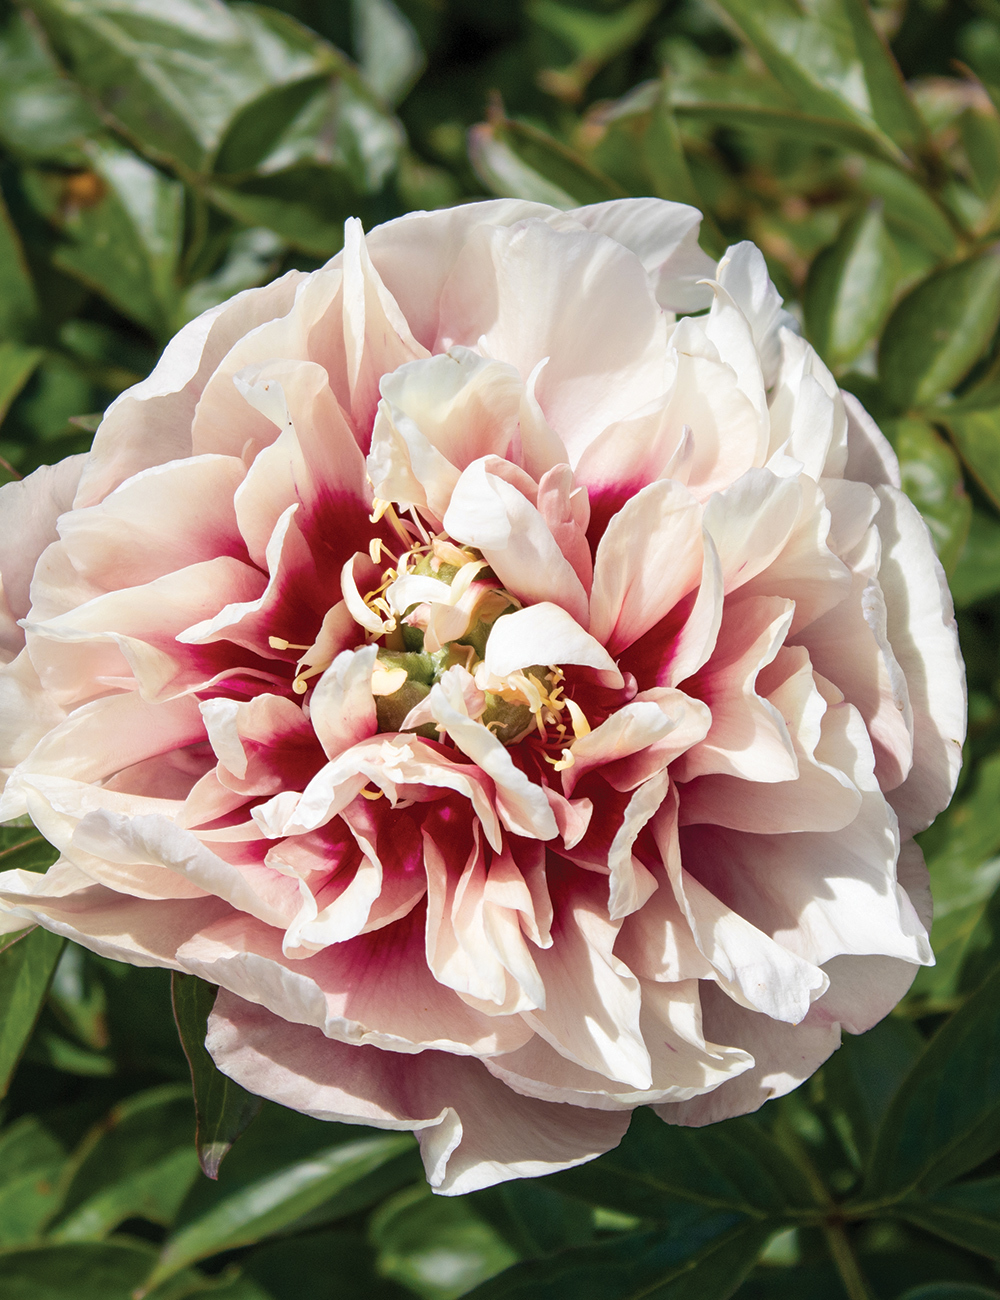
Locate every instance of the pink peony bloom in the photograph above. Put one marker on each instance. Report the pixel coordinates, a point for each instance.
(519, 701)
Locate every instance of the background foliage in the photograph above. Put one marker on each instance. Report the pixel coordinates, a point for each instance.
(157, 156)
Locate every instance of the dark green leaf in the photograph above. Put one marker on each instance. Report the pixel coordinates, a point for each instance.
(223, 1108)
(809, 128)
(967, 1214)
(17, 365)
(110, 1270)
(17, 294)
(951, 1291)
(860, 1080)
(321, 1266)
(251, 260)
(534, 1218)
(977, 574)
(812, 50)
(732, 1166)
(26, 968)
(272, 1203)
(981, 141)
(708, 1262)
(932, 479)
(939, 330)
(138, 1163)
(850, 288)
(976, 435)
(306, 206)
(945, 1118)
(436, 1246)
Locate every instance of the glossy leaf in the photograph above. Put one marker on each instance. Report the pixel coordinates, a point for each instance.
(976, 435)
(808, 128)
(932, 479)
(967, 1214)
(534, 1218)
(138, 1163)
(92, 1271)
(222, 1107)
(812, 50)
(945, 1118)
(125, 237)
(436, 1246)
(850, 288)
(732, 1166)
(706, 1262)
(908, 207)
(26, 968)
(388, 49)
(42, 113)
(175, 77)
(939, 330)
(594, 39)
(510, 153)
(272, 1203)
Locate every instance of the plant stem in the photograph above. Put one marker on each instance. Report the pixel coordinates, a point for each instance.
(842, 1253)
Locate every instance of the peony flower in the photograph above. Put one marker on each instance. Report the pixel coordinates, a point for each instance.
(518, 700)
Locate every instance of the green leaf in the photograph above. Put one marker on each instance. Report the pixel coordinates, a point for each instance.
(850, 288)
(861, 1078)
(137, 1163)
(731, 1166)
(252, 258)
(175, 76)
(977, 574)
(535, 1218)
(593, 40)
(967, 1214)
(314, 1265)
(125, 245)
(976, 435)
(932, 479)
(950, 1291)
(945, 1118)
(223, 1108)
(31, 1165)
(436, 1246)
(707, 1262)
(387, 47)
(939, 330)
(514, 156)
(17, 294)
(811, 48)
(981, 142)
(26, 968)
(808, 128)
(110, 1270)
(275, 1201)
(305, 206)
(891, 104)
(42, 113)
(908, 207)
(17, 364)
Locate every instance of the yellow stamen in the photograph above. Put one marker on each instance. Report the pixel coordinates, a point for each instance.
(279, 643)
(372, 794)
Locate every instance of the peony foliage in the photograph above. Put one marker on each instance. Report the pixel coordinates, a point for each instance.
(474, 720)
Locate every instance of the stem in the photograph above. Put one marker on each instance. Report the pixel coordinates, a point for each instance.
(846, 1262)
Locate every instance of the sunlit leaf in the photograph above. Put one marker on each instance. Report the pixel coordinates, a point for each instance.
(976, 435)
(908, 207)
(42, 113)
(518, 160)
(436, 1246)
(932, 479)
(223, 1108)
(388, 49)
(273, 1202)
